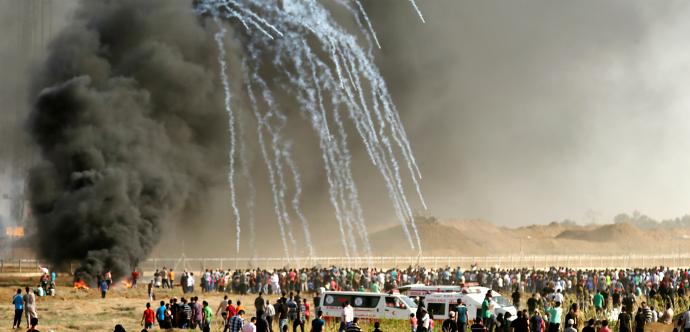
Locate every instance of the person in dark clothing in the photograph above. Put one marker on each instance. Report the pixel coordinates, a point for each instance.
(261, 322)
(516, 298)
(520, 323)
(640, 320)
(532, 303)
(624, 321)
(590, 326)
(450, 325)
(477, 326)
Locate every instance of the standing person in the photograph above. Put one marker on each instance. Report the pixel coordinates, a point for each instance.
(477, 326)
(104, 288)
(171, 278)
(520, 323)
(377, 327)
(624, 320)
(150, 291)
(270, 313)
(251, 326)
(555, 313)
(348, 314)
(207, 317)
(516, 298)
(450, 324)
(198, 310)
(640, 321)
(18, 302)
(160, 314)
(532, 303)
(574, 314)
(486, 312)
(33, 324)
(235, 323)
(318, 324)
(135, 277)
(461, 316)
(29, 306)
(108, 276)
(413, 322)
(222, 308)
(232, 311)
(190, 282)
(307, 310)
(536, 322)
(590, 326)
(260, 303)
(261, 323)
(685, 319)
(185, 313)
(605, 326)
(598, 302)
(423, 323)
(569, 325)
(354, 326)
(282, 312)
(164, 278)
(300, 318)
(148, 317)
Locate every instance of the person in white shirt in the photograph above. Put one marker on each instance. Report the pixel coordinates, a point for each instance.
(251, 327)
(270, 312)
(190, 282)
(348, 313)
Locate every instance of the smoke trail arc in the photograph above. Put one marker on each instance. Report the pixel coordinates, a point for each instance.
(345, 81)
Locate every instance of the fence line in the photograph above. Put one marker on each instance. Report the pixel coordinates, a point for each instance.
(465, 262)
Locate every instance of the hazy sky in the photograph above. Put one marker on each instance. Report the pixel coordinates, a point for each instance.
(532, 111)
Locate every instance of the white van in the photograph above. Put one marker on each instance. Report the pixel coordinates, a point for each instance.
(366, 305)
(440, 304)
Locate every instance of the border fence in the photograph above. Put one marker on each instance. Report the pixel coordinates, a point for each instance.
(465, 262)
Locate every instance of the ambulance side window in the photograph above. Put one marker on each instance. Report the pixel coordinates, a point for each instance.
(394, 302)
(437, 309)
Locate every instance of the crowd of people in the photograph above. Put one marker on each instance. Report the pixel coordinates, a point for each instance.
(668, 283)
(623, 298)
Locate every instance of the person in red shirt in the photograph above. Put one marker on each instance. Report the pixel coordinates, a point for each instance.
(231, 310)
(135, 277)
(148, 318)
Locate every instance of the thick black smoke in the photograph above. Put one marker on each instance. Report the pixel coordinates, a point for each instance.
(130, 122)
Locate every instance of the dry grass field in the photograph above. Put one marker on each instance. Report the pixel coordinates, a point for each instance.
(84, 310)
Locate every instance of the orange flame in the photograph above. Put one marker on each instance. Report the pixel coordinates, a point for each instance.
(126, 283)
(80, 284)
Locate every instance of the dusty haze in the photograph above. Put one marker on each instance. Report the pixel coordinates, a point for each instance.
(518, 112)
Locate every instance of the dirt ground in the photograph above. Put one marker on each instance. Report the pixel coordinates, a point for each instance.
(84, 310)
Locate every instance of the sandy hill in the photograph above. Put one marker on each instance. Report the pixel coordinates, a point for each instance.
(478, 237)
(606, 233)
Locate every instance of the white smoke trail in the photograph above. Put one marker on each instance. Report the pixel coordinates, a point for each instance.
(419, 12)
(366, 18)
(219, 37)
(261, 124)
(346, 74)
(296, 201)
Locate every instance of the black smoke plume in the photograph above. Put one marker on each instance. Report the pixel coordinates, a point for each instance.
(129, 120)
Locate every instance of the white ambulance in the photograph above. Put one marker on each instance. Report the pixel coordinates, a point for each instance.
(440, 304)
(366, 305)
